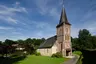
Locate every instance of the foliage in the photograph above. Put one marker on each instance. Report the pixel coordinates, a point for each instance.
(29, 44)
(75, 45)
(37, 54)
(93, 42)
(84, 41)
(0, 42)
(57, 55)
(8, 42)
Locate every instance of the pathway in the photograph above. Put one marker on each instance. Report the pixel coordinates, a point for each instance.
(72, 61)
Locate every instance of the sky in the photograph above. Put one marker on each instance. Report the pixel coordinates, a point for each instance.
(21, 19)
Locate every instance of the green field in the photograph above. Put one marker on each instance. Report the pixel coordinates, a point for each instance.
(32, 59)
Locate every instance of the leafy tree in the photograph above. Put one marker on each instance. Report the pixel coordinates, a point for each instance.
(75, 45)
(93, 42)
(20, 41)
(84, 39)
(0, 42)
(9, 42)
(29, 41)
(29, 44)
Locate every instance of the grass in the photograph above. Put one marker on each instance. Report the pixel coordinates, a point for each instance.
(80, 60)
(77, 52)
(32, 59)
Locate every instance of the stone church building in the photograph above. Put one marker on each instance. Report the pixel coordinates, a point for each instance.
(61, 42)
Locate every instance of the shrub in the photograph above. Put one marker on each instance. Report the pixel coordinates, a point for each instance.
(57, 55)
(37, 54)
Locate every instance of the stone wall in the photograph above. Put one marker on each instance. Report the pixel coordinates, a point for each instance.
(48, 51)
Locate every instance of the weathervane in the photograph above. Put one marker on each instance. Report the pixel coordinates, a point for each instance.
(63, 3)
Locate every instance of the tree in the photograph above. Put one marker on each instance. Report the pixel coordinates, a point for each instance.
(20, 41)
(29, 46)
(75, 43)
(9, 42)
(29, 41)
(93, 42)
(7, 46)
(0, 42)
(84, 39)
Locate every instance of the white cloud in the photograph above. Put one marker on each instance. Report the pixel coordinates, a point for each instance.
(17, 33)
(54, 13)
(42, 6)
(5, 10)
(74, 31)
(11, 20)
(89, 25)
(10, 12)
(5, 28)
(45, 9)
(17, 3)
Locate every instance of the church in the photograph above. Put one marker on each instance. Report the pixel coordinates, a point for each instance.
(61, 42)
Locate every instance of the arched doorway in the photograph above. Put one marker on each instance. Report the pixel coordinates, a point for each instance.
(68, 52)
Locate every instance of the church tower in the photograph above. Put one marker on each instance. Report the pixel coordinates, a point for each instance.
(63, 35)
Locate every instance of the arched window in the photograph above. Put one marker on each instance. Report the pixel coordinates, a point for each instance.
(66, 30)
(67, 37)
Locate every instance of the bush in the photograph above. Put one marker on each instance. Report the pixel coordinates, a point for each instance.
(37, 54)
(57, 55)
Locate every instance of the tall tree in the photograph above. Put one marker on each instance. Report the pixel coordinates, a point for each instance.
(75, 45)
(84, 39)
(0, 42)
(93, 42)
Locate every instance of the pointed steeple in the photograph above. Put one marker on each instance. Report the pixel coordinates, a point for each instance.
(63, 18)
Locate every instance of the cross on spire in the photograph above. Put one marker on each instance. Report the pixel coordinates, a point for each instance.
(63, 3)
(63, 17)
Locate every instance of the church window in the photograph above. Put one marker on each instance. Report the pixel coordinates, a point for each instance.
(66, 37)
(66, 30)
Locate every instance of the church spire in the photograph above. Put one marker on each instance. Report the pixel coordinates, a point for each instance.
(63, 18)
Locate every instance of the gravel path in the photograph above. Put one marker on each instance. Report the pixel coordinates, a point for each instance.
(72, 61)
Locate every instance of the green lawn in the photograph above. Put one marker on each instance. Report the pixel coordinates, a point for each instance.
(32, 59)
(77, 52)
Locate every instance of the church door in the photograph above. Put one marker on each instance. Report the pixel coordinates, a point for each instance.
(67, 53)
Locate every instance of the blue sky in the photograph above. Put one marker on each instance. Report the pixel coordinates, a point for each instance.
(21, 19)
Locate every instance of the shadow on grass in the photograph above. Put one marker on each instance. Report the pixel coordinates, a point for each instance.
(87, 57)
(10, 60)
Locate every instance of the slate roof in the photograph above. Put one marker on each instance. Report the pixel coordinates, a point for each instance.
(63, 18)
(49, 42)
